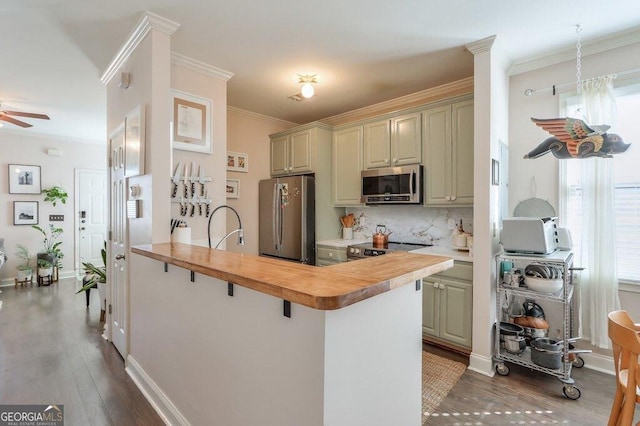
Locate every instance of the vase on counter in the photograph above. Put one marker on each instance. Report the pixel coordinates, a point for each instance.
(347, 233)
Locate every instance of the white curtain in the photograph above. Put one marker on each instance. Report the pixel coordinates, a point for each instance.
(599, 281)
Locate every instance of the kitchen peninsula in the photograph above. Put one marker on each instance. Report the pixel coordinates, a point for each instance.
(234, 339)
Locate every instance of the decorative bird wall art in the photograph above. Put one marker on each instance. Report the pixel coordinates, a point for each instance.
(573, 138)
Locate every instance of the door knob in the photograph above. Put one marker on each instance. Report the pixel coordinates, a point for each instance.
(119, 256)
(82, 228)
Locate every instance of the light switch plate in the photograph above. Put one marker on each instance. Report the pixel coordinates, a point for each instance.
(56, 218)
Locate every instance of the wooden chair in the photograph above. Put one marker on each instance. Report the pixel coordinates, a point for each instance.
(624, 335)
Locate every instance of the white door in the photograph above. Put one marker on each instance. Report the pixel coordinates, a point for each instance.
(117, 271)
(91, 219)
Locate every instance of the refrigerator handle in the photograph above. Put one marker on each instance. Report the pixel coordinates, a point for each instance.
(275, 212)
(280, 215)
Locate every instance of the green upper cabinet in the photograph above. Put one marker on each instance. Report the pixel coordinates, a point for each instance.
(279, 155)
(393, 142)
(347, 164)
(448, 154)
(291, 154)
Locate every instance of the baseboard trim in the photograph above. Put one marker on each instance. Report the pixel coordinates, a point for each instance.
(598, 362)
(10, 282)
(481, 364)
(158, 400)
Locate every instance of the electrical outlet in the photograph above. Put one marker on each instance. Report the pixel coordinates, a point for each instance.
(451, 224)
(56, 218)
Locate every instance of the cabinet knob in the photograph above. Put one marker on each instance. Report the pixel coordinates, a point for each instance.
(453, 198)
(442, 286)
(447, 197)
(435, 285)
(330, 254)
(395, 161)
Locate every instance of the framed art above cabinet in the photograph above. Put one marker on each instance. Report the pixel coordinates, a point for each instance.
(190, 122)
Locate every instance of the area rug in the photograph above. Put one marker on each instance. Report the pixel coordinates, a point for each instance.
(439, 376)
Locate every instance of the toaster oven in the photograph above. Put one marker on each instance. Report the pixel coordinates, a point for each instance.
(529, 235)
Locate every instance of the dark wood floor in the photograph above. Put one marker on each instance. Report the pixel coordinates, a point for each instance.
(52, 352)
(524, 397)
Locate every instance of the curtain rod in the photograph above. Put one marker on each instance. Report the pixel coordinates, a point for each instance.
(555, 87)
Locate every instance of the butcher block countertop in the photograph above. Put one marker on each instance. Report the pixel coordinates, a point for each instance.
(326, 288)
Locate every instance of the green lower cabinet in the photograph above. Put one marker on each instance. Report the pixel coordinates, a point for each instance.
(447, 310)
(329, 255)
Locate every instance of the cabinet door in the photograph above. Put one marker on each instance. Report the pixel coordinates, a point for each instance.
(455, 312)
(406, 140)
(462, 152)
(436, 125)
(377, 144)
(279, 156)
(347, 164)
(430, 307)
(300, 152)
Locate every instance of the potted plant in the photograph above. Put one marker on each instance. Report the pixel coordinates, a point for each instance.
(55, 194)
(45, 268)
(52, 251)
(96, 276)
(24, 269)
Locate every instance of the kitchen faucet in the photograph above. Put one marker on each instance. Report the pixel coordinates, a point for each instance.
(240, 231)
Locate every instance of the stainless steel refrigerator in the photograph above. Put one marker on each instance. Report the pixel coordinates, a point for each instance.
(287, 218)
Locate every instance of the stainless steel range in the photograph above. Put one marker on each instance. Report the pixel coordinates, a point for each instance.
(360, 251)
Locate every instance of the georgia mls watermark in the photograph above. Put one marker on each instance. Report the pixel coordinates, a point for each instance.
(31, 415)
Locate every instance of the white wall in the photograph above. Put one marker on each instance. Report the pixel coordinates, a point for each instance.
(149, 66)
(490, 128)
(248, 133)
(524, 135)
(23, 148)
(214, 88)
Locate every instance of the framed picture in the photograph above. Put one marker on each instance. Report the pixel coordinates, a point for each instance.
(134, 142)
(24, 179)
(233, 188)
(237, 162)
(25, 212)
(191, 122)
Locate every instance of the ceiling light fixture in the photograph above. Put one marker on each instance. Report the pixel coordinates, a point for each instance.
(307, 89)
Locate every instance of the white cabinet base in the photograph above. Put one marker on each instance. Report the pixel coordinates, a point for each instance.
(204, 357)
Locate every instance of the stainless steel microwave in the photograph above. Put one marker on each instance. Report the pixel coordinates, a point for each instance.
(392, 185)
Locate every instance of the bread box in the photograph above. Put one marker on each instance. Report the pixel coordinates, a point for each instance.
(529, 235)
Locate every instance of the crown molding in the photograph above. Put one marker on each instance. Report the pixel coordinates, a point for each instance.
(614, 41)
(48, 137)
(482, 45)
(258, 116)
(200, 67)
(148, 22)
(448, 90)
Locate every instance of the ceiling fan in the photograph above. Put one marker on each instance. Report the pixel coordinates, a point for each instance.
(5, 116)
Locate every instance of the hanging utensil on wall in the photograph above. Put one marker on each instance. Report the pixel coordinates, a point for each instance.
(202, 181)
(193, 179)
(534, 207)
(186, 180)
(176, 180)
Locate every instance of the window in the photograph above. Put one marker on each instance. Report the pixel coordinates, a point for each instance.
(627, 185)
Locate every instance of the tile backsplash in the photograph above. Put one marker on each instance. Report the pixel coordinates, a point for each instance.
(412, 224)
